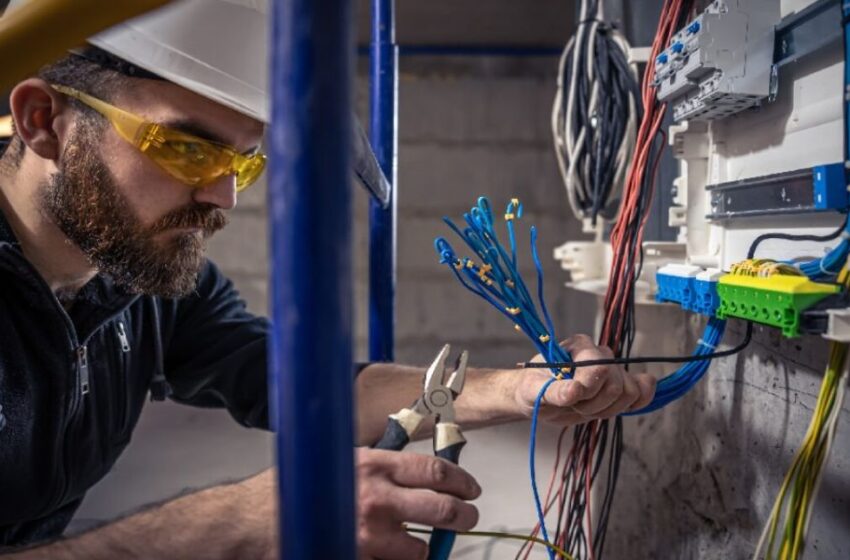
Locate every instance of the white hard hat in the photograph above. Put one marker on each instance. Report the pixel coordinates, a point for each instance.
(218, 49)
(215, 48)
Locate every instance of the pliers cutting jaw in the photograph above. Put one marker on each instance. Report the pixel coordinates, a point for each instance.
(437, 401)
(439, 394)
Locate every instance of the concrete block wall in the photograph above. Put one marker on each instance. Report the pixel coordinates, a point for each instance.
(471, 127)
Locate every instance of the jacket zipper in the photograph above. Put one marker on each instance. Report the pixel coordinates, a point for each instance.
(83, 366)
(81, 353)
(122, 336)
(122, 398)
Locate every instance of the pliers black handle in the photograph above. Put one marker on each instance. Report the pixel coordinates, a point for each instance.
(437, 401)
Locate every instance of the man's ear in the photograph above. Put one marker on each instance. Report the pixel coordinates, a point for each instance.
(42, 117)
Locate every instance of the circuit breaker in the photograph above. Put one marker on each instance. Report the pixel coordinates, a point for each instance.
(719, 64)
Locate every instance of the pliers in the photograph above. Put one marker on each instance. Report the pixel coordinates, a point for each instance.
(437, 400)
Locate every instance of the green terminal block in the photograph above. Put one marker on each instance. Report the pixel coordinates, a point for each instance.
(775, 300)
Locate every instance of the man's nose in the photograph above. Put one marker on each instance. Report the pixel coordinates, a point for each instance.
(221, 193)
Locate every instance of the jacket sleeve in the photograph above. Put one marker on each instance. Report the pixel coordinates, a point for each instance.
(215, 352)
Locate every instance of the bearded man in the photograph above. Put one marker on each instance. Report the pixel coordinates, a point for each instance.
(112, 182)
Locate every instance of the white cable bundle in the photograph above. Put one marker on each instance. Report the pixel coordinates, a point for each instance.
(594, 134)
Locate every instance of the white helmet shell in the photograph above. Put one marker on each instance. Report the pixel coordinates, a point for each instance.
(215, 48)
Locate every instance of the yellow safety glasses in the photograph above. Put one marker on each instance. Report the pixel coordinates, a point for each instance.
(189, 159)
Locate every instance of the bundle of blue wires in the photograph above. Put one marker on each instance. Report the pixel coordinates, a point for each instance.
(827, 267)
(492, 274)
(678, 383)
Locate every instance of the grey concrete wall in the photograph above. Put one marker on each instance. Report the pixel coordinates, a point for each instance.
(700, 477)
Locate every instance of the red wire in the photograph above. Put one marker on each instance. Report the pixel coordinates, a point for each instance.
(627, 230)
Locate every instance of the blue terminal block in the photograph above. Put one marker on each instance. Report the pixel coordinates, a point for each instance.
(830, 192)
(662, 58)
(677, 47)
(706, 300)
(693, 28)
(676, 284)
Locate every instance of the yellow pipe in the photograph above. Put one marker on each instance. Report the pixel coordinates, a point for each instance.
(41, 31)
(5, 126)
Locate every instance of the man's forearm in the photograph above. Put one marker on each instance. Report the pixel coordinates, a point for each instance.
(382, 389)
(215, 523)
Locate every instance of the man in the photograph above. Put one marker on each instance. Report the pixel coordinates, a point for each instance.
(105, 296)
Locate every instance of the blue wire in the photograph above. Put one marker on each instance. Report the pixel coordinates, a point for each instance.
(531, 466)
(492, 285)
(539, 266)
(482, 239)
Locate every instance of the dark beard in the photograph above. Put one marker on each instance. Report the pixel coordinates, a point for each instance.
(86, 204)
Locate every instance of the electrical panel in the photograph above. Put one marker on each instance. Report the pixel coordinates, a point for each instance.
(720, 63)
(777, 170)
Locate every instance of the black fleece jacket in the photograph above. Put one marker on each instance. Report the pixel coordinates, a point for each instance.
(72, 384)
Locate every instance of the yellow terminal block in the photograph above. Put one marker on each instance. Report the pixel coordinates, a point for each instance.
(774, 300)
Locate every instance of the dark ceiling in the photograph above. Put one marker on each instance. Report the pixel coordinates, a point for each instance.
(474, 23)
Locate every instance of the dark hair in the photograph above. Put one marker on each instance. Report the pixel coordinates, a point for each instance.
(87, 69)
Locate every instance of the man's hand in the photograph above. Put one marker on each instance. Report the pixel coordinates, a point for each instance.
(594, 392)
(395, 488)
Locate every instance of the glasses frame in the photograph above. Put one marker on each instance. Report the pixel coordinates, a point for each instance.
(153, 140)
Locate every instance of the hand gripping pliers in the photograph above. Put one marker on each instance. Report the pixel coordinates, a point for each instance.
(437, 400)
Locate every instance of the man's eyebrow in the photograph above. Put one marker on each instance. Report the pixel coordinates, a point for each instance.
(193, 128)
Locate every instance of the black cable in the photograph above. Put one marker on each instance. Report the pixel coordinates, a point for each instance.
(791, 237)
(644, 359)
(605, 127)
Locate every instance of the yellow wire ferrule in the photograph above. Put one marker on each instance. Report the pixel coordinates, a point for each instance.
(509, 216)
(544, 338)
(513, 310)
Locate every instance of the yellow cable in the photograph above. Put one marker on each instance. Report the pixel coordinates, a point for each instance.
(495, 534)
(802, 476)
(796, 494)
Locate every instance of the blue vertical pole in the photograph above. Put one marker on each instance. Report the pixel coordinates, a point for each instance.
(310, 211)
(383, 94)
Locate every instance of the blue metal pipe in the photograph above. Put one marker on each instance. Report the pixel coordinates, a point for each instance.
(310, 212)
(384, 135)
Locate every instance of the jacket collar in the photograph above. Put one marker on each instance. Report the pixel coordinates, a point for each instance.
(98, 300)
(6, 233)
